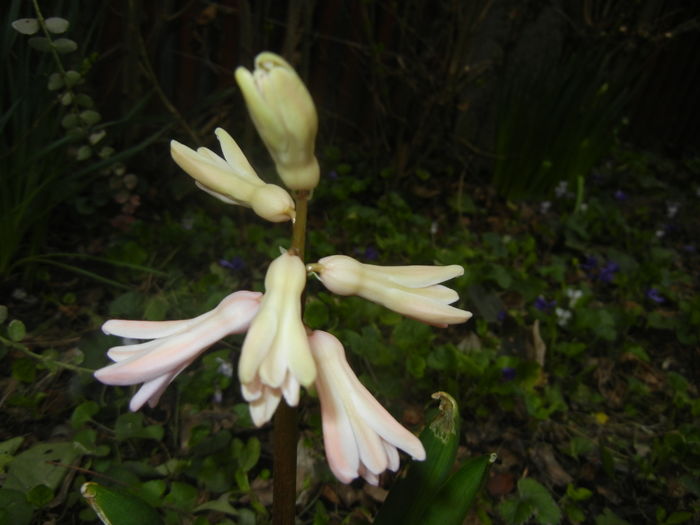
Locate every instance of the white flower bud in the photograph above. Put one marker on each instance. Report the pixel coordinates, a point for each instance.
(285, 117)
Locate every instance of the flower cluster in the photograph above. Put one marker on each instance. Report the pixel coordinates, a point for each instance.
(279, 354)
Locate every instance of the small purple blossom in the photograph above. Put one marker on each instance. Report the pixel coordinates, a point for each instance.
(620, 195)
(543, 304)
(502, 315)
(235, 263)
(654, 295)
(608, 271)
(589, 264)
(332, 174)
(508, 373)
(370, 253)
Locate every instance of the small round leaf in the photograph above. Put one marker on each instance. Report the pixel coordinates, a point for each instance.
(72, 78)
(84, 152)
(69, 121)
(84, 100)
(16, 330)
(94, 138)
(66, 98)
(55, 82)
(26, 26)
(56, 24)
(40, 43)
(65, 45)
(90, 117)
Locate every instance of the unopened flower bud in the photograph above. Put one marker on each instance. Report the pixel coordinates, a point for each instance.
(285, 117)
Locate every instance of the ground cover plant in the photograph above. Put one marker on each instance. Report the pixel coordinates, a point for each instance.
(578, 370)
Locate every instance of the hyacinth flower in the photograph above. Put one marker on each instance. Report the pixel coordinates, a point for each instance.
(285, 116)
(409, 290)
(232, 179)
(276, 358)
(174, 345)
(360, 437)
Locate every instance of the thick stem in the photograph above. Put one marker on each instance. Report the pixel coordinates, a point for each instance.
(286, 431)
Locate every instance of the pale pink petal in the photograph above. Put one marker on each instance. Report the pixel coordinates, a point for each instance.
(360, 436)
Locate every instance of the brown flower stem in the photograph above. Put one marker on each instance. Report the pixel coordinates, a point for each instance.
(286, 431)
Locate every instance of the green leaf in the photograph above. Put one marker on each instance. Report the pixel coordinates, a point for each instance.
(40, 495)
(71, 78)
(90, 117)
(119, 508)
(182, 496)
(70, 121)
(26, 26)
(55, 82)
(452, 503)
(56, 25)
(24, 369)
(14, 508)
(411, 495)
(515, 511)
(40, 43)
(65, 45)
(546, 510)
(45, 463)
(156, 308)
(250, 454)
(609, 518)
(16, 330)
(130, 425)
(84, 152)
(11, 445)
(3, 313)
(83, 413)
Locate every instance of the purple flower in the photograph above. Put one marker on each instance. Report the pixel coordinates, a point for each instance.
(589, 264)
(502, 315)
(607, 272)
(543, 304)
(332, 174)
(235, 263)
(508, 373)
(620, 195)
(654, 295)
(370, 253)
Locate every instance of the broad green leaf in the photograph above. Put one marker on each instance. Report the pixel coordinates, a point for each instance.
(14, 508)
(455, 498)
(119, 508)
(83, 413)
(45, 463)
(26, 26)
(411, 495)
(182, 496)
(130, 425)
(545, 508)
(56, 25)
(40, 495)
